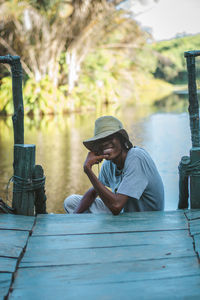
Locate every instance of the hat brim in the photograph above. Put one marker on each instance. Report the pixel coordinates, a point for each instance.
(90, 143)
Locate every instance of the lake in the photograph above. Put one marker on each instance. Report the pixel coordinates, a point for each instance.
(162, 130)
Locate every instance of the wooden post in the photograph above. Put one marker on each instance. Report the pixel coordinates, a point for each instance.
(24, 163)
(194, 126)
(18, 116)
(183, 183)
(24, 155)
(195, 181)
(40, 197)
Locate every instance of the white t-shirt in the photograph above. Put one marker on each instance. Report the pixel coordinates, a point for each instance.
(139, 179)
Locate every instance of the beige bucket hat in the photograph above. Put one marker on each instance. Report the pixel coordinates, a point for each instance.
(104, 127)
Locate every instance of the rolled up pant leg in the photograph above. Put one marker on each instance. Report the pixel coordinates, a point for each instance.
(97, 207)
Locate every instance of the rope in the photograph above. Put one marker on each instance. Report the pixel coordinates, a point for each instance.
(189, 169)
(25, 185)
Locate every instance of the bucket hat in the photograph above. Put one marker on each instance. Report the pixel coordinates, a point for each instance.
(104, 127)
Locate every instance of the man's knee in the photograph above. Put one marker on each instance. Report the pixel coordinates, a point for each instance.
(71, 202)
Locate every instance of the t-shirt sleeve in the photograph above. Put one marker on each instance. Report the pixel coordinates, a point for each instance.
(134, 179)
(103, 175)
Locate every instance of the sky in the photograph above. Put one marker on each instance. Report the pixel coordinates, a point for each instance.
(168, 18)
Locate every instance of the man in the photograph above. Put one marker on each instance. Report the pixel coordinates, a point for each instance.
(129, 172)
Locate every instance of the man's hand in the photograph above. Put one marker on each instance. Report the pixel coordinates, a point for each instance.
(93, 159)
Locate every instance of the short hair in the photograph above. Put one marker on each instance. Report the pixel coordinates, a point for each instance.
(125, 143)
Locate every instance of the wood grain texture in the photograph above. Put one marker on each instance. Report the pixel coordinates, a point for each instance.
(24, 163)
(67, 224)
(7, 264)
(194, 226)
(178, 237)
(12, 242)
(165, 289)
(108, 272)
(193, 214)
(131, 256)
(5, 280)
(14, 222)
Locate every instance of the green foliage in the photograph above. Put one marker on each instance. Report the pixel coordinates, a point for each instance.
(109, 78)
(39, 97)
(171, 64)
(43, 97)
(113, 64)
(98, 81)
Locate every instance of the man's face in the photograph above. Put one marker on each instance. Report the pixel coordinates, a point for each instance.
(110, 146)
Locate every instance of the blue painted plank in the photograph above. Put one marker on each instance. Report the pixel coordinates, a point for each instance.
(16, 222)
(126, 216)
(194, 226)
(107, 272)
(5, 281)
(193, 214)
(12, 242)
(176, 237)
(84, 224)
(7, 264)
(197, 244)
(52, 257)
(186, 287)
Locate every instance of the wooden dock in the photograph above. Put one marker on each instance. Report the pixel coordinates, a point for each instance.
(150, 255)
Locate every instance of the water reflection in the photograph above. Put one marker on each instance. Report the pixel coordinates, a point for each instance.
(60, 151)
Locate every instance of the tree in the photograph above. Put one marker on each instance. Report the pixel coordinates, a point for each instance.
(40, 31)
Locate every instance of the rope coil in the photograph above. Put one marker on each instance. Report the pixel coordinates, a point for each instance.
(187, 168)
(26, 185)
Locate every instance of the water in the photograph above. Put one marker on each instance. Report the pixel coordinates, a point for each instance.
(163, 133)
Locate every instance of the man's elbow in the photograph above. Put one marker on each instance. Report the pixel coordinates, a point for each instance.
(116, 209)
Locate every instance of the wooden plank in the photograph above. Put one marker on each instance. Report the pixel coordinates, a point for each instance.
(194, 226)
(197, 244)
(127, 216)
(70, 224)
(177, 237)
(107, 272)
(16, 222)
(186, 287)
(52, 257)
(12, 242)
(5, 281)
(7, 264)
(193, 214)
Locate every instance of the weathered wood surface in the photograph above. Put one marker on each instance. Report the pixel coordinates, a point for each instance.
(194, 228)
(12, 242)
(165, 289)
(14, 234)
(13, 222)
(147, 221)
(24, 163)
(5, 280)
(131, 256)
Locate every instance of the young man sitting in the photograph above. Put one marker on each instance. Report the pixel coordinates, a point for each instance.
(129, 172)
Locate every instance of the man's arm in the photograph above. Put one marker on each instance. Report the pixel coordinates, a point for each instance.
(115, 202)
(86, 201)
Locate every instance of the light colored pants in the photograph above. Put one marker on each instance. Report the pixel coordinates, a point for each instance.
(97, 207)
